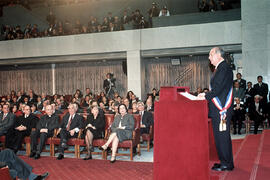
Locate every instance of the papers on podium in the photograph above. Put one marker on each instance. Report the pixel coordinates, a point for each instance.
(189, 96)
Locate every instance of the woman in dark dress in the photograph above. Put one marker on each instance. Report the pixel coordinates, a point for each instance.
(122, 128)
(94, 129)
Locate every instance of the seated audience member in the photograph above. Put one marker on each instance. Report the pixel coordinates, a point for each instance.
(105, 102)
(32, 98)
(39, 103)
(154, 94)
(212, 6)
(126, 102)
(22, 127)
(203, 6)
(122, 128)
(94, 129)
(164, 12)
(249, 94)
(44, 129)
(7, 120)
(242, 82)
(238, 117)
(129, 96)
(88, 92)
(238, 92)
(147, 118)
(199, 90)
(69, 127)
(55, 109)
(14, 109)
(134, 108)
(149, 105)
(34, 109)
(1, 108)
(256, 112)
(205, 90)
(86, 101)
(110, 104)
(26, 101)
(261, 89)
(18, 168)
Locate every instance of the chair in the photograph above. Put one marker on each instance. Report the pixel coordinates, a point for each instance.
(148, 137)
(131, 143)
(3, 141)
(97, 142)
(4, 174)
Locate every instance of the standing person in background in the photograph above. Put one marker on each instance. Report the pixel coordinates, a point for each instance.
(261, 89)
(242, 82)
(220, 99)
(109, 85)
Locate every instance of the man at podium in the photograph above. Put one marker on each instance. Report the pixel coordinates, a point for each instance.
(220, 99)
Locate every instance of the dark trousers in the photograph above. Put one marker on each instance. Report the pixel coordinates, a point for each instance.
(258, 119)
(17, 166)
(223, 141)
(237, 120)
(34, 140)
(65, 135)
(14, 139)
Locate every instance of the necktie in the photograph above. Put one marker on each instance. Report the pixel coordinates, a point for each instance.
(69, 122)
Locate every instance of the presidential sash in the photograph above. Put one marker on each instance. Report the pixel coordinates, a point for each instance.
(223, 110)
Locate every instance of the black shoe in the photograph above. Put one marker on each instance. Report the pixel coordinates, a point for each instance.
(37, 156)
(32, 154)
(42, 176)
(222, 168)
(234, 132)
(216, 165)
(113, 161)
(60, 156)
(239, 133)
(87, 157)
(101, 148)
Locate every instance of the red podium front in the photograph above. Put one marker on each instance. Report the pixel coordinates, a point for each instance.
(181, 137)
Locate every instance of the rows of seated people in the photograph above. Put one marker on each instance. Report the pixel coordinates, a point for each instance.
(133, 20)
(249, 101)
(96, 119)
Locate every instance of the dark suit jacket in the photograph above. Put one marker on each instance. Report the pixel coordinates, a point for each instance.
(261, 90)
(77, 122)
(7, 123)
(147, 119)
(240, 93)
(49, 123)
(252, 110)
(221, 83)
(29, 122)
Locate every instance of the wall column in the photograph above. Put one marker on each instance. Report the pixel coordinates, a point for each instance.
(134, 79)
(256, 39)
(53, 79)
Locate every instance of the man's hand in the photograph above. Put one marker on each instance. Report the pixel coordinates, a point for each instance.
(143, 126)
(44, 130)
(58, 131)
(72, 132)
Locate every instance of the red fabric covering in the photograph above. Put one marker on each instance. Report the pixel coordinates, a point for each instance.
(181, 137)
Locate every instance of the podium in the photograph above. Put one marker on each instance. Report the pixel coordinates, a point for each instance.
(181, 136)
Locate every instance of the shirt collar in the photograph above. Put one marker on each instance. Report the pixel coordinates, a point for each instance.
(219, 63)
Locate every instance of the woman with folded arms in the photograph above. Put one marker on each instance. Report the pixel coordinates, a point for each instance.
(121, 130)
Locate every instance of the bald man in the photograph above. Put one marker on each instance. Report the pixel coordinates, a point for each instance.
(220, 99)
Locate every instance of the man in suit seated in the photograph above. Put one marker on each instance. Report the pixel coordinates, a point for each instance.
(22, 127)
(147, 119)
(44, 129)
(69, 128)
(238, 115)
(17, 167)
(7, 120)
(256, 112)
